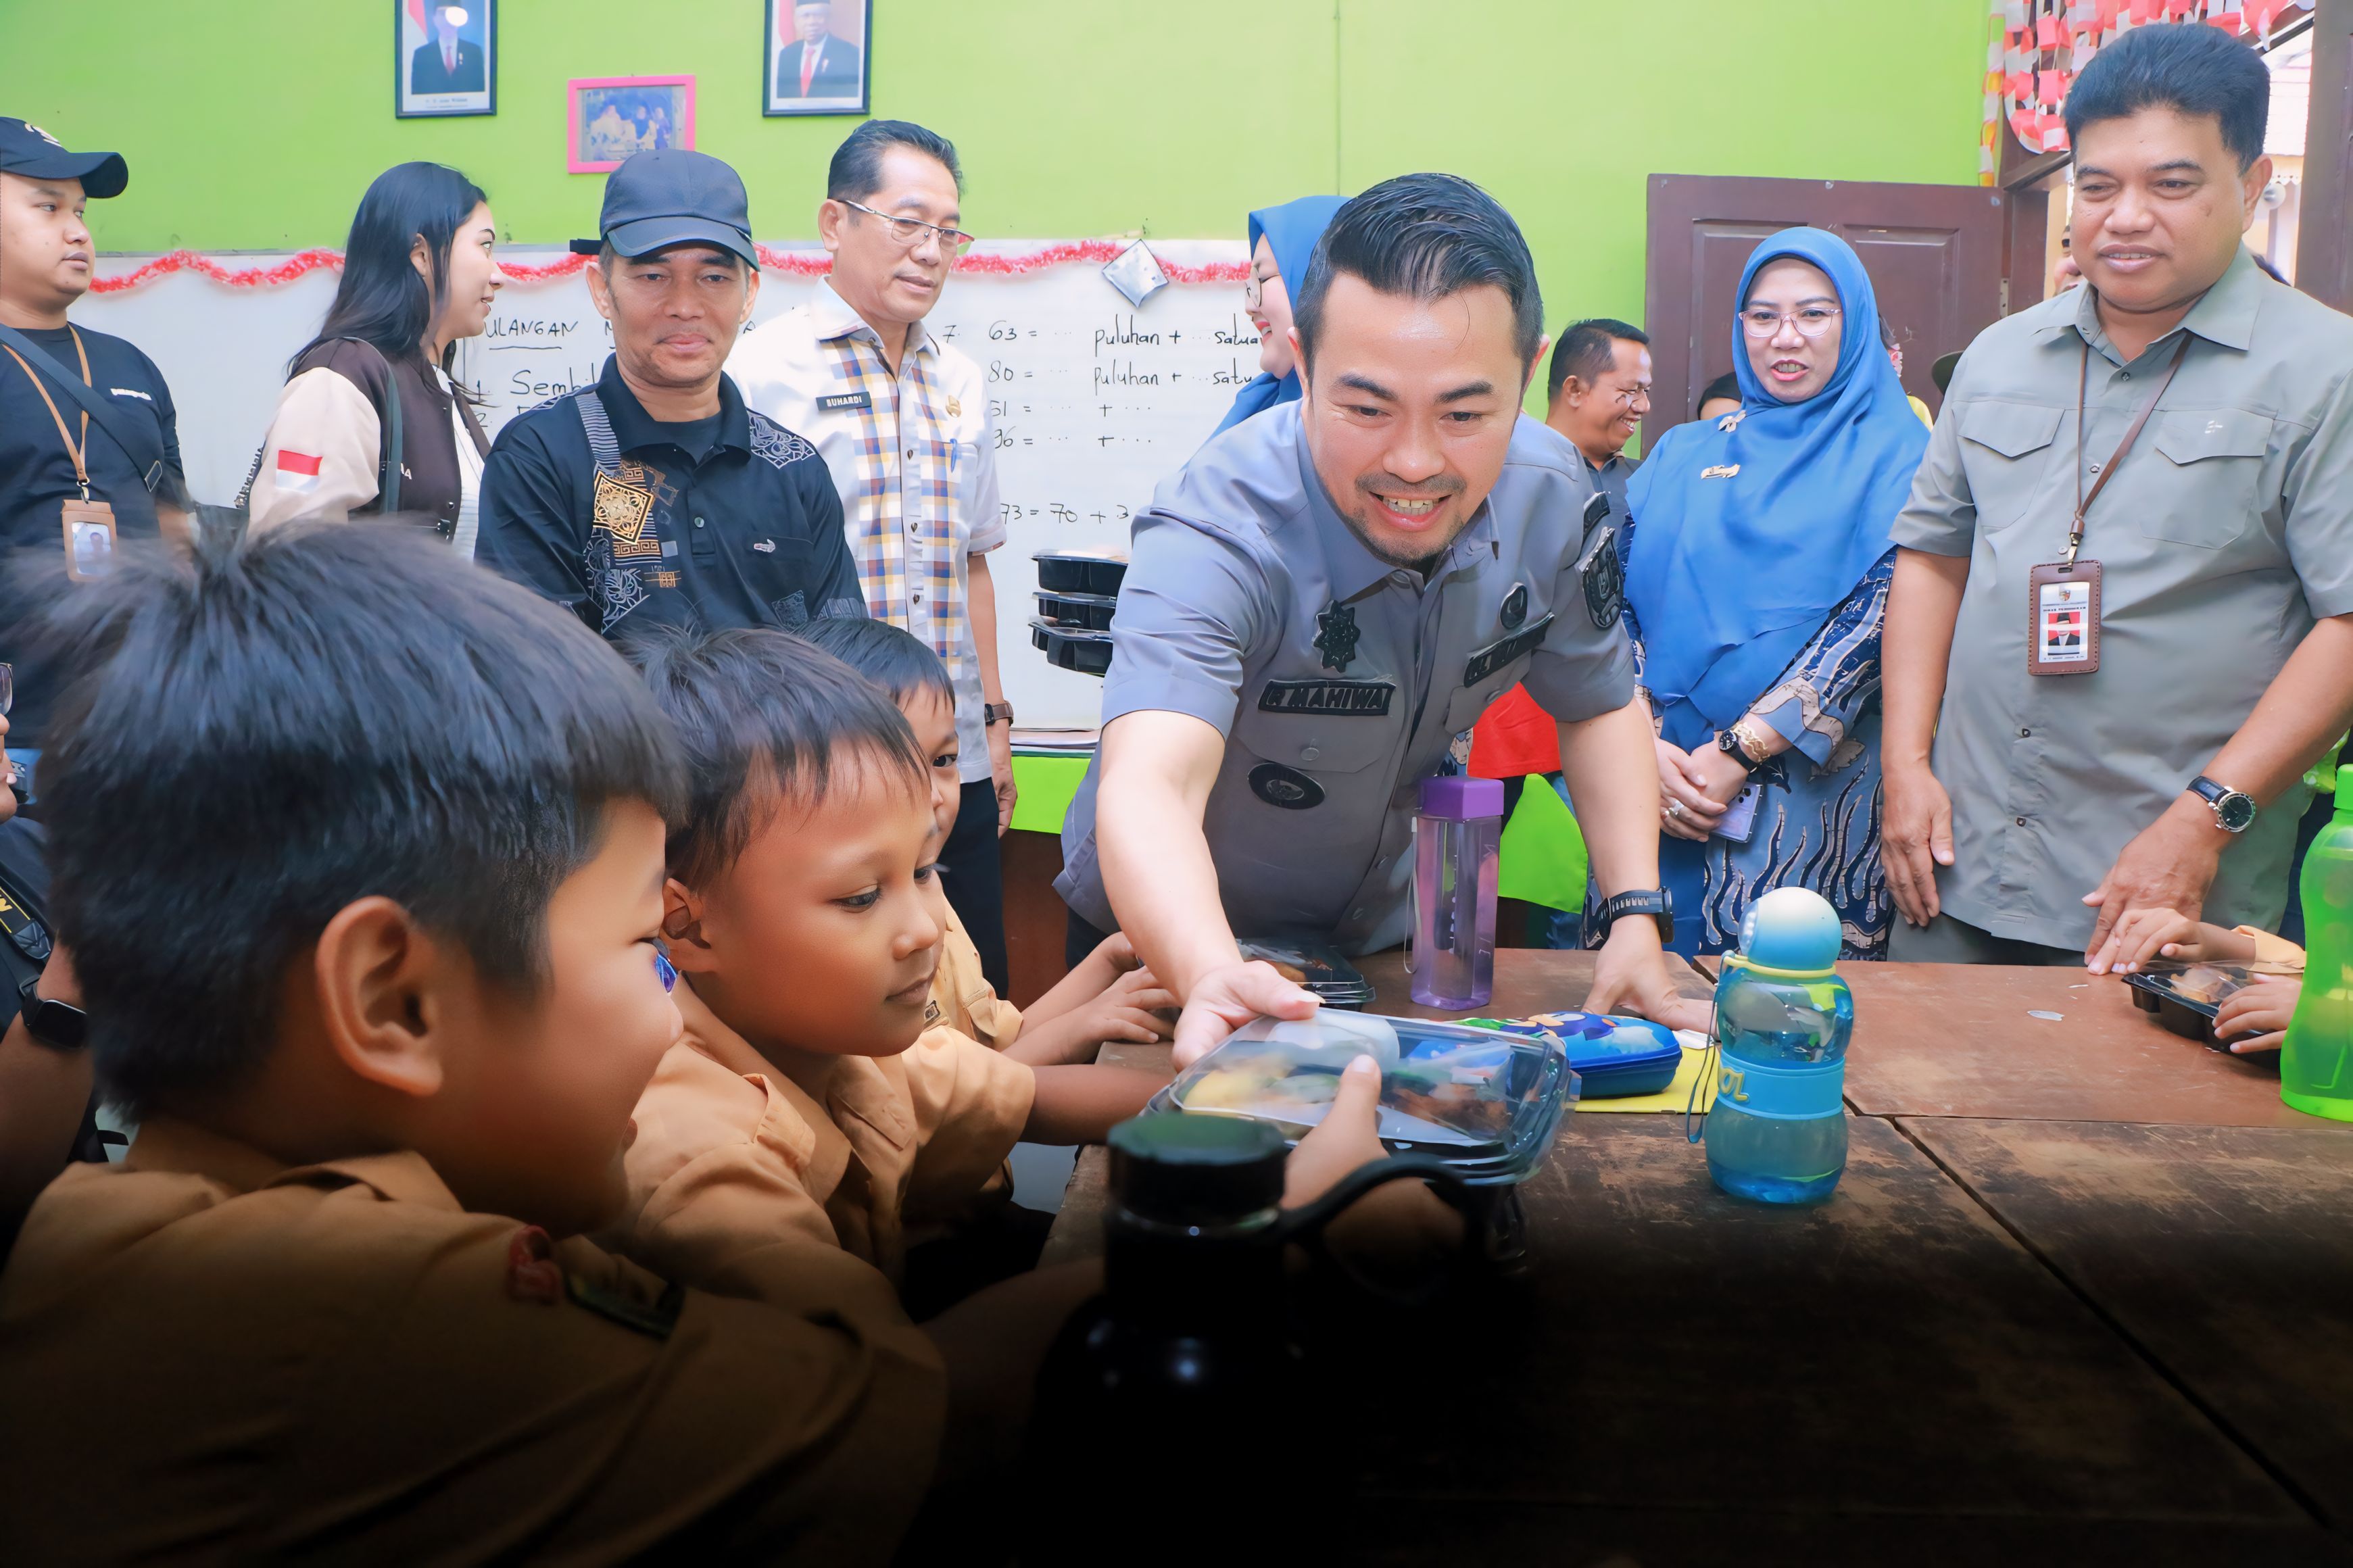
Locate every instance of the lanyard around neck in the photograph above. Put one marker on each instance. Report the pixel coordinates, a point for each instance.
(2083, 386)
(78, 454)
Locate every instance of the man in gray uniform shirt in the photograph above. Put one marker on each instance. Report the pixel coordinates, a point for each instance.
(2131, 727)
(1328, 595)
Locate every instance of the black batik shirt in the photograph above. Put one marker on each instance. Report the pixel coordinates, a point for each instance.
(747, 535)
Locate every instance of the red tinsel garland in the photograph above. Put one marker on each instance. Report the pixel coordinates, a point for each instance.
(793, 263)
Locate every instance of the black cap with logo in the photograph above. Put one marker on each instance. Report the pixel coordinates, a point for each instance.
(655, 200)
(34, 153)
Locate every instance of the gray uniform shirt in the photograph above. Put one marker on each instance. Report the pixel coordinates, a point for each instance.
(1338, 680)
(2226, 532)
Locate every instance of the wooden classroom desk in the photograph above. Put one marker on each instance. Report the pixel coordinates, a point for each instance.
(2030, 1336)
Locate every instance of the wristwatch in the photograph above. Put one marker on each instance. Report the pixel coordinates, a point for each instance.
(1652, 901)
(1734, 743)
(2234, 810)
(995, 713)
(60, 1026)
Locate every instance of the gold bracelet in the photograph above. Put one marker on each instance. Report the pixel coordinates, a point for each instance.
(1752, 744)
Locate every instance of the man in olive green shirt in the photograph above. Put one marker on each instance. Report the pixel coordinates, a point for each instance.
(2032, 813)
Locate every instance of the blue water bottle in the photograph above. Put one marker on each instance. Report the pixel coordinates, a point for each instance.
(1777, 1131)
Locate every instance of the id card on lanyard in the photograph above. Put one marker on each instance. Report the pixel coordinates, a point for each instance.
(2062, 597)
(88, 524)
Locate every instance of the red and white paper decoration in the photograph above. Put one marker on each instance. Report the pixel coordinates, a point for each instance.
(2036, 46)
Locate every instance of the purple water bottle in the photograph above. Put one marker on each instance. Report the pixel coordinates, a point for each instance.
(1455, 835)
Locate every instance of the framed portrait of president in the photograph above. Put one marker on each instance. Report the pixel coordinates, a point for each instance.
(445, 57)
(816, 59)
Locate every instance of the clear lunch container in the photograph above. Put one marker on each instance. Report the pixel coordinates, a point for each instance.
(1487, 1103)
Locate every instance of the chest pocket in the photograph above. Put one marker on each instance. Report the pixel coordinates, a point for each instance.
(2216, 463)
(2006, 453)
(1322, 725)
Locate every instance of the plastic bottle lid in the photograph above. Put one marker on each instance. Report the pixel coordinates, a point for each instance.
(1196, 1170)
(1461, 799)
(1792, 929)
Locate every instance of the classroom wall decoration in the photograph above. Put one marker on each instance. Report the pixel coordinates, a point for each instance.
(445, 59)
(816, 57)
(2038, 46)
(609, 118)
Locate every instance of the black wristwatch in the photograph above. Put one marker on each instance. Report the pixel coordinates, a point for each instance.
(60, 1026)
(1652, 901)
(1728, 743)
(2234, 810)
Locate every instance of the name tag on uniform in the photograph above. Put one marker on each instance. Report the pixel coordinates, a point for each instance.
(1346, 698)
(840, 401)
(1495, 655)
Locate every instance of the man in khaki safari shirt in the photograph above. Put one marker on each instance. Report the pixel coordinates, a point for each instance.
(2027, 814)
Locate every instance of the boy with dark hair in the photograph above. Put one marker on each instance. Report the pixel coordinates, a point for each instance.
(810, 1094)
(360, 852)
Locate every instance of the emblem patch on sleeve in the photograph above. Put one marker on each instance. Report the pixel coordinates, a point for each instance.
(1497, 654)
(1345, 698)
(1604, 579)
(1286, 787)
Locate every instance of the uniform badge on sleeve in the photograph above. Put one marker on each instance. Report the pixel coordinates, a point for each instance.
(1286, 787)
(1336, 635)
(1604, 579)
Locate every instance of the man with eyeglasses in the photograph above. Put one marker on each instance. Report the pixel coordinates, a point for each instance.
(1598, 389)
(902, 419)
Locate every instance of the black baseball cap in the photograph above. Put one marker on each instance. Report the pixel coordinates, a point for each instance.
(34, 153)
(668, 197)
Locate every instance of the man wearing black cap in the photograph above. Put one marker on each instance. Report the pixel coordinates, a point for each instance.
(656, 497)
(87, 437)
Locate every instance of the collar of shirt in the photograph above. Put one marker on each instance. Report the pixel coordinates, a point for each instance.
(2224, 315)
(835, 319)
(634, 429)
(858, 1085)
(1352, 569)
(168, 1143)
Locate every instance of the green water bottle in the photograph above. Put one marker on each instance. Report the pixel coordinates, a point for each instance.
(2316, 1061)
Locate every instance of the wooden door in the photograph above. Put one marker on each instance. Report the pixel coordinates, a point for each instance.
(1938, 257)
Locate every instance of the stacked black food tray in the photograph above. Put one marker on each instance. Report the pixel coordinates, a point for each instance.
(1077, 590)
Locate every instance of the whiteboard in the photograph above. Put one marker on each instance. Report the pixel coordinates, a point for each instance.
(1094, 401)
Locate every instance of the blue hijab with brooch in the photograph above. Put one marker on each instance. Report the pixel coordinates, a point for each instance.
(1745, 540)
(1291, 232)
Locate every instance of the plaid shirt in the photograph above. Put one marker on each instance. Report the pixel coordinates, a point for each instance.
(912, 459)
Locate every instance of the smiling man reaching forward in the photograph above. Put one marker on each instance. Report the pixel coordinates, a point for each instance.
(1326, 596)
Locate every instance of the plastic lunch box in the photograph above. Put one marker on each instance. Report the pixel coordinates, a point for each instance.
(1072, 647)
(1090, 611)
(1081, 571)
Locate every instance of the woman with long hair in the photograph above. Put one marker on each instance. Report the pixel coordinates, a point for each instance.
(371, 420)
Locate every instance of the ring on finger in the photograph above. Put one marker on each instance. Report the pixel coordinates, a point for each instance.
(1675, 808)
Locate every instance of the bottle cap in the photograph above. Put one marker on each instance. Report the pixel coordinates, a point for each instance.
(1196, 1170)
(1793, 930)
(1461, 799)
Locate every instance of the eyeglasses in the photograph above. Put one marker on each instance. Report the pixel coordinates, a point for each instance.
(1811, 321)
(8, 686)
(1254, 291)
(909, 231)
(665, 972)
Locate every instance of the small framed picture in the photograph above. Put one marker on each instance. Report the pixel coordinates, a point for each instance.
(614, 116)
(814, 57)
(445, 57)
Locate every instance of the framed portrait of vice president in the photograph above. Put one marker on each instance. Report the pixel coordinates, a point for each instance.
(817, 59)
(445, 57)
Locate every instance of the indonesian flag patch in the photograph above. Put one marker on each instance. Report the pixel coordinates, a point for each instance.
(296, 470)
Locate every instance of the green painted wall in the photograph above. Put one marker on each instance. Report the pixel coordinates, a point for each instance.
(255, 126)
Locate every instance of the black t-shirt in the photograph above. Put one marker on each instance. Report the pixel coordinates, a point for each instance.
(695, 438)
(25, 862)
(36, 477)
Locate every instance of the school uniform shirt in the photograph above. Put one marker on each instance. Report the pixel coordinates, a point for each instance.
(329, 445)
(215, 1358)
(630, 522)
(2225, 534)
(1341, 681)
(912, 461)
(37, 478)
(730, 1154)
(962, 997)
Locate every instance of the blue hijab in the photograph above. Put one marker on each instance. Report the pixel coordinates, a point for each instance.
(1291, 231)
(1730, 575)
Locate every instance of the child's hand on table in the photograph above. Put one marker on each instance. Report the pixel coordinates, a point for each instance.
(1125, 1012)
(2259, 1010)
(2148, 934)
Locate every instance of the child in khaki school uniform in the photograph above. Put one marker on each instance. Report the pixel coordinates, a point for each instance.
(814, 1092)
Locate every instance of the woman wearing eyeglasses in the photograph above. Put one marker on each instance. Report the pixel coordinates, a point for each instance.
(1757, 562)
(1281, 239)
(902, 418)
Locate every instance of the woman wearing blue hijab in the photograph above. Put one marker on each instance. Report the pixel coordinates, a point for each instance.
(1757, 562)
(1281, 239)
